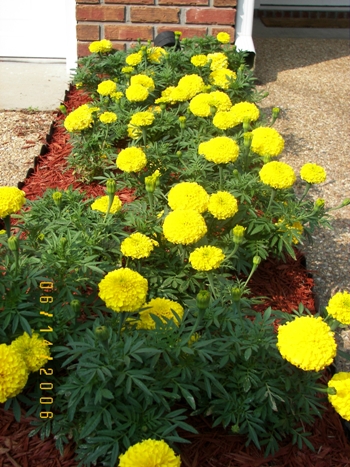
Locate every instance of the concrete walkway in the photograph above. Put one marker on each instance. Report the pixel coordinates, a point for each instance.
(41, 84)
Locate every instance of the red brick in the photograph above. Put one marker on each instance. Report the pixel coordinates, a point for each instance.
(154, 15)
(88, 1)
(128, 33)
(83, 49)
(118, 45)
(184, 2)
(100, 13)
(187, 32)
(88, 32)
(135, 2)
(231, 31)
(224, 3)
(210, 16)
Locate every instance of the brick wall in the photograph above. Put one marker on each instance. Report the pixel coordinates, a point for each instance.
(125, 21)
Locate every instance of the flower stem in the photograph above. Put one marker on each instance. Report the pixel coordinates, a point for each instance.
(7, 221)
(121, 322)
(211, 283)
(151, 199)
(144, 136)
(221, 174)
(273, 192)
(307, 188)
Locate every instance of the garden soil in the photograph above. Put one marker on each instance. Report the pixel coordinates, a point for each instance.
(284, 284)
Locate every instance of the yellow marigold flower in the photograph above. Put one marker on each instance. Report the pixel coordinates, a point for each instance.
(108, 117)
(267, 142)
(137, 246)
(134, 59)
(339, 307)
(278, 175)
(238, 233)
(131, 159)
(2, 232)
(101, 204)
(223, 37)
(283, 227)
(313, 173)
(155, 54)
(307, 342)
(184, 227)
(166, 96)
(222, 77)
(102, 46)
(225, 120)
(162, 308)
(144, 80)
(106, 88)
(123, 290)
(341, 400)
(200, 105)
(222, 205)
(149, 453)
(199, 60)
(79, 119)
(13, 373)
(220, 150)
(188, 195)
(32, 350)
(189, 86)
(134, 132)
(218, 60)
(11, 200)
(116, 95)
(245, 110)
(142, 119)
(127, 69)
(220, 100)
(206, 258)
(136, 93)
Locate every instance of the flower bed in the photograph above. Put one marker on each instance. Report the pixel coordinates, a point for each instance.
(143, 293)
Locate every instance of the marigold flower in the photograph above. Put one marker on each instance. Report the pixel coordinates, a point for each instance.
(149, 453)
(136, 93)
(144, 80)
(245, 110)
(188, 87)
(79, 119)
(220, 150)
(313, 173)
(199, 60)
(277, 175)
(13, 372)
(200, 105)
(218, 60)
(184, 227)
(134, 132)
(116, 95)
(138, 246)
(33, 350)
(155, 54)
(134, 59)
(222, 205)
(161, 307)
(206, 258)
(123, 290)
(108, 117)
(341, 400)
(267, 142)
(106, 88)
(131, 160)
(101, 204)
(238, 233)
(127, 69)
(102, 46)
(225, 120)
(223, 37)
(222, 77)
(307, 342)
(188, 195)
(220, 100)
(142, 119)
(339, 307)
(11, 200)
(283, 227)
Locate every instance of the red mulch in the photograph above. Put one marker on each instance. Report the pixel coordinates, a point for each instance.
(285, 285)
